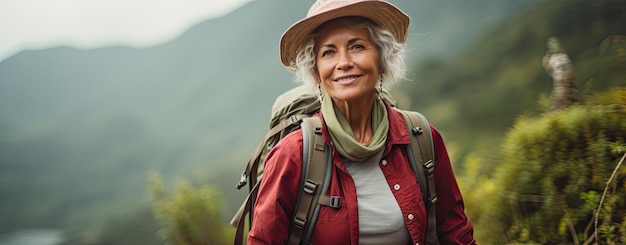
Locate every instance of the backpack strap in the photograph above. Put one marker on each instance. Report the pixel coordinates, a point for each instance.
(316, 177)
(286, 125)
(316, 173)
(239, 219)
(421, 149)
(252, 171)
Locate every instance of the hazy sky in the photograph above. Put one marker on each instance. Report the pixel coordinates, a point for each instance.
(37, 24)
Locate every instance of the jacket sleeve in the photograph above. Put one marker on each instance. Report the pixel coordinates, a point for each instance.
(453, 225)
(278, 192)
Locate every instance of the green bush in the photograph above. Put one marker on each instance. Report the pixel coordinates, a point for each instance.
(553, 171)
(191, 216)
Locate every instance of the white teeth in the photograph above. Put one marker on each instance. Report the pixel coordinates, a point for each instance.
(346, 78)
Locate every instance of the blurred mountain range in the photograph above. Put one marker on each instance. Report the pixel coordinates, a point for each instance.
(79, 129)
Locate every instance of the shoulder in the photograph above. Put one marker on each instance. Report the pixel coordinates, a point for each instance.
(292, 138)
(288, 149)
(399, 117)
(437, 138)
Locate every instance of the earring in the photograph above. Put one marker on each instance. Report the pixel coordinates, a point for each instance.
(319, 89)
(380, 88)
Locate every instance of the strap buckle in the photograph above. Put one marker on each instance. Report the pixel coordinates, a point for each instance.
(243, 181)
(430, 167)
(417, 130)
(299, 223)
(335, 202)
(310, 186)
(295, 120)
(432, 200)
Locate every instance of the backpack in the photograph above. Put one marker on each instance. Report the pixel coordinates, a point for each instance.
(292, 110)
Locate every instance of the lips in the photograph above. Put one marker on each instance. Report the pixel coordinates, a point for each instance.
(346, 78)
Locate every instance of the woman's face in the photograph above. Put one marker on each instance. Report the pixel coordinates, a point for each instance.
(347, 62)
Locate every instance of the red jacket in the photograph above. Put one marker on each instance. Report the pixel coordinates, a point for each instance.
(279, 189)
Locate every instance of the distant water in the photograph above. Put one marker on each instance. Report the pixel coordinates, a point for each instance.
(32, 237)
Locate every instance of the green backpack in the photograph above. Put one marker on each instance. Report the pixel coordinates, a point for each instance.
(292, 110)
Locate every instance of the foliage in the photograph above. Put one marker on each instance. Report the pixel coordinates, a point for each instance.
(71, 154)
(475, 97)
(553, 170)
(190, 216)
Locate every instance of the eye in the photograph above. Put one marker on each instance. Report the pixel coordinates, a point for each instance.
(327, 52)
(357, 47)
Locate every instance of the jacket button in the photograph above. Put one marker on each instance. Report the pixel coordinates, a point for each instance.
(396, 187)
(411, 217)
(384, 162)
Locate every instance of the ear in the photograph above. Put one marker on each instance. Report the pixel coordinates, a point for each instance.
(316, 75)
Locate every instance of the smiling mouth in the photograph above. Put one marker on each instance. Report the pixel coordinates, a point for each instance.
(346, 78)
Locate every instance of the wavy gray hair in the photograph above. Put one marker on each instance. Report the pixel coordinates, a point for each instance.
(391, 54)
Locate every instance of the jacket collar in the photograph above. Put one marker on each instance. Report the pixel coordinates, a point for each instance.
(398, 131)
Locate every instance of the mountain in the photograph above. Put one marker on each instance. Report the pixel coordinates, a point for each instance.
(79, 129)
(476, 97)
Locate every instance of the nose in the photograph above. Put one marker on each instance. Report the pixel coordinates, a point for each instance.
(345, 61)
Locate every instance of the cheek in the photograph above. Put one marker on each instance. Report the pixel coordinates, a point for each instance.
(374, 63)
(322, 71)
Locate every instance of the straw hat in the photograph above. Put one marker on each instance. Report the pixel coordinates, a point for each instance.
(380, 12)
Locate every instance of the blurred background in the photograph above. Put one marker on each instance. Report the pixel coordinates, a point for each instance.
(96, 96)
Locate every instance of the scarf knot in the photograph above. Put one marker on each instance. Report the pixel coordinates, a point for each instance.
(343, 137)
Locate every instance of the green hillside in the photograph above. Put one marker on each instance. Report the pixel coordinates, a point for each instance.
(476, 96)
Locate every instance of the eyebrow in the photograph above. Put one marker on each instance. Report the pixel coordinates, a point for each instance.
(351, 41)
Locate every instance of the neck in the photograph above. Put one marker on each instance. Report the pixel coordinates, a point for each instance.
(359, 116)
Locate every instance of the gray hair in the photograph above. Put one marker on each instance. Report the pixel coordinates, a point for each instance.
(391, 54)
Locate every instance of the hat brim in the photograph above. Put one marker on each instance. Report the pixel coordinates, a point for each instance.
(382, 13)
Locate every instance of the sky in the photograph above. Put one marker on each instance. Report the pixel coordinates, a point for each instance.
(40, 24)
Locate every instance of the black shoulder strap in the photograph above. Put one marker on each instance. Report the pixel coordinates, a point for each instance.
(316, 173)
(421, 149)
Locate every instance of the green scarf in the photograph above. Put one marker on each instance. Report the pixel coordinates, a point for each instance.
(343, 137)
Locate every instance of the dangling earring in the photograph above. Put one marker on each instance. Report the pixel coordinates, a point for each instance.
(319, 89)
(380, 89)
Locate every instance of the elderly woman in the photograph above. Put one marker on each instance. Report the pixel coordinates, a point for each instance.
(348, 50)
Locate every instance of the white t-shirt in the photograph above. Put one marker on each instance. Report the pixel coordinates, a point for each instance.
(380, 218)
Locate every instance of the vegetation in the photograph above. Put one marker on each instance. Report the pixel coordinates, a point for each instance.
(552, 171)
(190, 216)
(476, 97)
(544, 179)
(75, 160)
